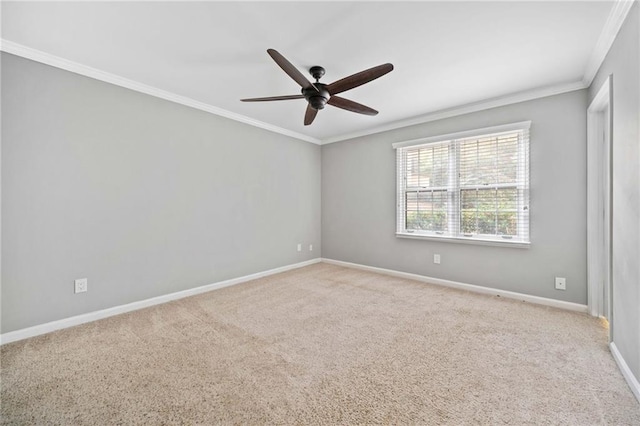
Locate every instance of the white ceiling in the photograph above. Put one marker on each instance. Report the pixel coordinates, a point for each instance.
(446, 54)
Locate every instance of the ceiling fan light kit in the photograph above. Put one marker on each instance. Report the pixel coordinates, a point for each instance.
(319, 94)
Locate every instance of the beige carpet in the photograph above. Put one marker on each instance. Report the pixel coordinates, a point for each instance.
(322, 345)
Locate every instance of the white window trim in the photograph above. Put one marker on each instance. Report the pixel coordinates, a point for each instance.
(453, 183)
(465, 134)
(465, 240)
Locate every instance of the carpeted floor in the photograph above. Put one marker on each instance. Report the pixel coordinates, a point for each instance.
(322, 345)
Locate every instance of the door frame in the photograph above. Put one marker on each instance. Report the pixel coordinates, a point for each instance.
(599, 203)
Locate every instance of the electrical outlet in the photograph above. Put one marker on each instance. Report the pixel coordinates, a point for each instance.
(436, 259)
(310, 247)
(299, 247)
(81, 285)
(561, 283)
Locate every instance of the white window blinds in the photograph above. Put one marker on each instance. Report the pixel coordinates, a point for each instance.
(471, 185)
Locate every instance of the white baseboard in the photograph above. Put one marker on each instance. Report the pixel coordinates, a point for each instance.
(37, 330)
(626, 371)
(468, 287)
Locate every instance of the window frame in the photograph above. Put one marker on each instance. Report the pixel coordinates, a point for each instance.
(454, 212)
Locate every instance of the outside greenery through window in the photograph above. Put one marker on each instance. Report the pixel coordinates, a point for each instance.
(466, 186)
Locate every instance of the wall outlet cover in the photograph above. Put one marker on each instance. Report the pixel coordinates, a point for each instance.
(81, 285)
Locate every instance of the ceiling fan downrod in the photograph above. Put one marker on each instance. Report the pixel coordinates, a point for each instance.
(319, 96)
(317, 99)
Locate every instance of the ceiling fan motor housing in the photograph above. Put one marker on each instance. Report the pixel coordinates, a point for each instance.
(317, 99)
(318, 94)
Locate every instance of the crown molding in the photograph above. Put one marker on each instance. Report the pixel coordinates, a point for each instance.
(615, 20)
(58, 62)
(465, 109)
(612, 26)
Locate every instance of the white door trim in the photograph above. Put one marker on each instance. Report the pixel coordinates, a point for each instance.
(599, 127)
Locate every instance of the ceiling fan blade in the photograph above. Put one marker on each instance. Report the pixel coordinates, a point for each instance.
(274, 98)
(309, 115)
(359, 79)
(290, 69)
(343, 103)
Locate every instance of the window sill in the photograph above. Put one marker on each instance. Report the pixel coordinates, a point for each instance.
(463, 240)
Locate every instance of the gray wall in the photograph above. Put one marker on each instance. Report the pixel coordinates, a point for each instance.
(623, 62)
(359, 208)
(142, 196)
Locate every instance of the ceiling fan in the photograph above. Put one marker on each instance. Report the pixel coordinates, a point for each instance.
(319, 94)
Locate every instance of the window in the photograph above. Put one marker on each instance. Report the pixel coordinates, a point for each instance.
(470, 186)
